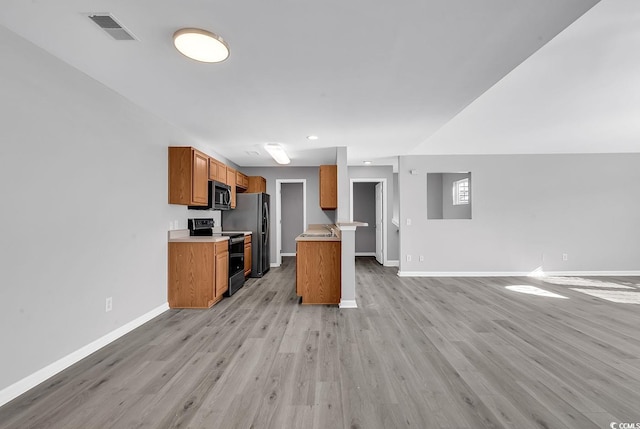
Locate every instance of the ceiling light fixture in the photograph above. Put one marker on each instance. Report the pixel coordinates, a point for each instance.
(277, 152)
(312, 137)
(200, 45)
(366, 162)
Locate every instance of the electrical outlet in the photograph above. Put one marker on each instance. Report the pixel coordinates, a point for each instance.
(565, 257)
(108, 305)
(408, 221)
(421, 258)
(408, 258)
(170, 226)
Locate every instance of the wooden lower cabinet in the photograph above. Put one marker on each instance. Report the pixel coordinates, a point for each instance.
(222, 270)
(247, 255)
(198, 273)
(318, 271)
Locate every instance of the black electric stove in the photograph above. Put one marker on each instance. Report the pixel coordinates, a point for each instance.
(204, 228)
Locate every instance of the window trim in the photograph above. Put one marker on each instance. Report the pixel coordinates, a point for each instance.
(460, 190)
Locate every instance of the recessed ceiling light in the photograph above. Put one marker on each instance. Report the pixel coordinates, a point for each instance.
(200, 45)
(366, 162)
(312, 137)
(277, 152)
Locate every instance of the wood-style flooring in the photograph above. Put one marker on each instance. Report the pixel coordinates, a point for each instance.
(417, 353)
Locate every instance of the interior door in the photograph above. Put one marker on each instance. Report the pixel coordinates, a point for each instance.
(379, 219)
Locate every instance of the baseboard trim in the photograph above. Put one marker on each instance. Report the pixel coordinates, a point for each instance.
(31, 381)
(516, 273)
(274, 265)
(365, 253)
(593, 273)
(395, 263)
(348, 303)
(288, 254)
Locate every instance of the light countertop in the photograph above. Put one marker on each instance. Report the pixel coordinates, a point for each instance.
(320, 232)
(237, 232)
(182, 236)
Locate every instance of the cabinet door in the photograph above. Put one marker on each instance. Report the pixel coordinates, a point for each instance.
(191, 275)
(213, 169)
(222, 272)
(222, 172)
(247, 258)
(188, 174)
(231, 181)
(256, 184)
(241, 181)
(328, 187)
(200, 191)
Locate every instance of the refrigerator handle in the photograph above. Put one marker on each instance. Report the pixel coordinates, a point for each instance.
(265, 220)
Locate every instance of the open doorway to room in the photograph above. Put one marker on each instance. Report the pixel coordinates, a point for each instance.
(291, 215)
(369, 204)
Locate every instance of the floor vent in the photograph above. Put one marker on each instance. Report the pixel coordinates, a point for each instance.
(111, 26)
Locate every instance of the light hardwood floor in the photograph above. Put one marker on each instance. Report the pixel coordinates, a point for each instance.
(417, 353)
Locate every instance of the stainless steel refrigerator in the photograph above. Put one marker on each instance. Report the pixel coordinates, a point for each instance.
(252, 214)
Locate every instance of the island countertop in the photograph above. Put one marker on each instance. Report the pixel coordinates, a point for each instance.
(320, 232)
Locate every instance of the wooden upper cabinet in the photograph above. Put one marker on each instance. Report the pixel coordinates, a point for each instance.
(231, 177)
(328, 187)
(231, 181)
(242, 181)
(217, 170)
(213, 169)
(256, 185)
(188, 176)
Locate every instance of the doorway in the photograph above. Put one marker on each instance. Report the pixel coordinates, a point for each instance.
(291, 215)
(369, 204)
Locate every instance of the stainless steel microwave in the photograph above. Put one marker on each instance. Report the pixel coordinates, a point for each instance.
(219, 197)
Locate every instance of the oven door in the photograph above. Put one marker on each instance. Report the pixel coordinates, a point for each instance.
(236, 264)
(236, 255)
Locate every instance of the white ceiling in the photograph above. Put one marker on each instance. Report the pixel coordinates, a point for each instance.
(580, 93)
(379, 77)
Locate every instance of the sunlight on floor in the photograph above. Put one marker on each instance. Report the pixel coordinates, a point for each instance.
(582, 282)
(532, 290)
(623, 297)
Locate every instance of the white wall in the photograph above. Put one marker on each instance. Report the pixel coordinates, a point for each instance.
(527, 211)
(83, 179)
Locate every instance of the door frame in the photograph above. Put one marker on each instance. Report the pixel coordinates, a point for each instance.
(279, 183)
(384, 209)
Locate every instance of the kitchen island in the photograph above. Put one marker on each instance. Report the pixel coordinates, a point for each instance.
(318, 265)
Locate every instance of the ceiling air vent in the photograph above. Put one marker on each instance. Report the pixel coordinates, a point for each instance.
(111, 26)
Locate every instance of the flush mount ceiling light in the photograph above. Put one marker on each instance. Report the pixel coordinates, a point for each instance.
(366, 162)
(277, 152)
(200, 45)
(312, 137)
